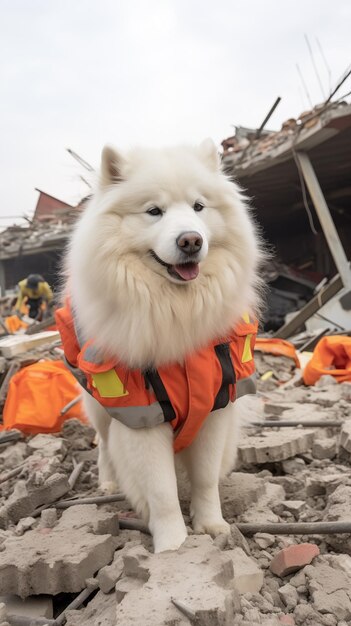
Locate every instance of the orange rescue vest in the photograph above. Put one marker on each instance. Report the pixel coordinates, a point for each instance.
(181, 394)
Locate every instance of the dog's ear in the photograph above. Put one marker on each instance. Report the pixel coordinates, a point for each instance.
(209, 154)
(111, 167)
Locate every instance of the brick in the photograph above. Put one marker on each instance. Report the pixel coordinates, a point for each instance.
(51, 561)
(287, 620)
(274, 445)
(293, 558)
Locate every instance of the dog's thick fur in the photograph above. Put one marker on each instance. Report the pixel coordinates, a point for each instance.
(140, 314)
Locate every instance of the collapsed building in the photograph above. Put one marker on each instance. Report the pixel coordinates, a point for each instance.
(38, 246)
(298, 180)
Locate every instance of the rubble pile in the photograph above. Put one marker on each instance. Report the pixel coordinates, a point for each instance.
(38, 233)
(60, 537)
(246, 145)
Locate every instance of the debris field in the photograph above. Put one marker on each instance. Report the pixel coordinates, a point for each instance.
(70, 554)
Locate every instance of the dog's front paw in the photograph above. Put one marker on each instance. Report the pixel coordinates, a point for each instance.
(109, 487)
(163, 546)
(169, 541)
(211, 527)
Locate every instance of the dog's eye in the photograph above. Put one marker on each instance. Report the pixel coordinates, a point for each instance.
(198, 206)
(154, 211)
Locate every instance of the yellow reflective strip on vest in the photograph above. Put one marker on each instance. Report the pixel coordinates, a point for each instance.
(247, 354)
(246, 318)
(109, 385)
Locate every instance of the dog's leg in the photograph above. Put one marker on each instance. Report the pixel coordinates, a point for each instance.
(101, 421)
(203, 460)
(144, 463)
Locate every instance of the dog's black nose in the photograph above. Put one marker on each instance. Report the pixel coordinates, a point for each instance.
(190, 242)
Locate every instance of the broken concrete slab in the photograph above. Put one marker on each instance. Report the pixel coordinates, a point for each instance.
(60, 559)
(338, 509)
(294, 506)
(324, 448)
(100, 611)
(47, 445)
(289, 596)
(198, 576)
(26, 498)
(345, 437)
(248, 577)
(330, 590)
(274, 445)
(238, 492)
(34, 606)
(108, 575)
(262, 510)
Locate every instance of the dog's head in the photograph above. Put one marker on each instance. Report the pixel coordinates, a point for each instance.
(172, 206)
(166, 245)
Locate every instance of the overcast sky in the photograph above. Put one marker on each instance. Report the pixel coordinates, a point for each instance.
(81, 73)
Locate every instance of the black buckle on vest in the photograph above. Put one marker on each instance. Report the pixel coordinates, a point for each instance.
(228, 376)
(153, 378)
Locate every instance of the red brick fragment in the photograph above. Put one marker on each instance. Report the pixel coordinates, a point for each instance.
(287, 620)
(293, 558)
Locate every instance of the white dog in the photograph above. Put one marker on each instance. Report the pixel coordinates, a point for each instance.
(162, 263)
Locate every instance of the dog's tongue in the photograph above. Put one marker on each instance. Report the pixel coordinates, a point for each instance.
(187, 271)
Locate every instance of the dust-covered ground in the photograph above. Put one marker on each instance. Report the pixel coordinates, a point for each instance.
(52, 549)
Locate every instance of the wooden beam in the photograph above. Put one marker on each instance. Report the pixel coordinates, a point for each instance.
(322, 210)
(323, 296)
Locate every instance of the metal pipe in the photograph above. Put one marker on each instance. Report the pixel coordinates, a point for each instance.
(76, 472)
(298, 528)
(65, 504)
(304, 423)
(269, 114)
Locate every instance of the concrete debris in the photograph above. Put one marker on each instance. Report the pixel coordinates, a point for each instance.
(31, 497)
(199, 576)
(329, 590)
(108, 575)
(345, 437)
(34, 606)
(48, 445)
(248, 578)
(101, 611)
(324, 448)
(56, 560)
(289, 596)
(288, 475)
(274, 446)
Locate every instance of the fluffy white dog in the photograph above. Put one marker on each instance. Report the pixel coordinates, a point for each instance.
(162, 263)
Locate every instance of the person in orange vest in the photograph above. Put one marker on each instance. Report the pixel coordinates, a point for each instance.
(33, 291)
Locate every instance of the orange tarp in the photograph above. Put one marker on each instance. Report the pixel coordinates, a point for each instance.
(13, 323)
(36, 396)
(279, 347)
(331, 356)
